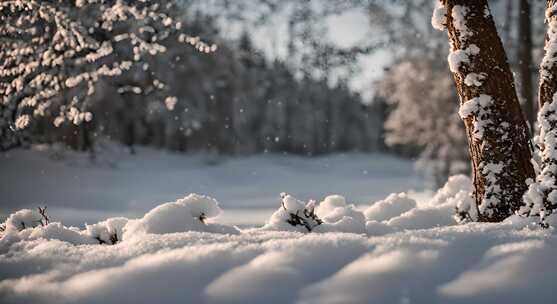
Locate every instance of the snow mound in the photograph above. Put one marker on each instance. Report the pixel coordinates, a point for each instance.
(338, 216)
(472, 263)
(57, 231)
(394, 205)
(454, 185)
(190, 213)
(331, 215)
(399, 212)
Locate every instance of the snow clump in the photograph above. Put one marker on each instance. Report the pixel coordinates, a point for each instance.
(190, 213)
(439, 17)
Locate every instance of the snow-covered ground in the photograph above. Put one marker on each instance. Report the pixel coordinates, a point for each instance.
(394, 250)
(76, 191)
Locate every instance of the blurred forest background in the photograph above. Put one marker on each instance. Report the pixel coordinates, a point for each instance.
(302, 77)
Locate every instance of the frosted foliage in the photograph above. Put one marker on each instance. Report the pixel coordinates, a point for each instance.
(55, 47)
(425, 114)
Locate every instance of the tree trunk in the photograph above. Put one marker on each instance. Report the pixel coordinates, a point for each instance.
(496, 130)
(525, 62)
(506, 30)
(546, 185)
(548, 69)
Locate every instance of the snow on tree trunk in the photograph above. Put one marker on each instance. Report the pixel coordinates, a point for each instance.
(541, 198)
(496, 130)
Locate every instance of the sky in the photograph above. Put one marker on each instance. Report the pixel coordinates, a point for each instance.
(347, 29)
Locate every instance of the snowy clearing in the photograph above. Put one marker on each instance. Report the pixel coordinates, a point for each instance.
(397, 250)
(129, 185)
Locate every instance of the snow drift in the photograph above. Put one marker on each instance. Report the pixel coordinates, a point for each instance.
(179, 253)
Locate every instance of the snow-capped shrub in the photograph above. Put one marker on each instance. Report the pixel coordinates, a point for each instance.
(108, 231)
(394, 205)
(188, 214)
(332, 215)
(293, 215)
(23, 219)
(191, 213)
(465, 207)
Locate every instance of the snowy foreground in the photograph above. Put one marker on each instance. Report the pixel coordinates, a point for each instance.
(395, 251)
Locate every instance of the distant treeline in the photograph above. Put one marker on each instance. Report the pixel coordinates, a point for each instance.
(232, 101)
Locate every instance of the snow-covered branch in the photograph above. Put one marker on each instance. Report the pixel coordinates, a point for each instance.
(54, 52)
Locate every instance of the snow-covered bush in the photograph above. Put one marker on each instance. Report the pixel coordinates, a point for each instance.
(26, 218)
(22, 219)
(108, 231)
(191, 213)
(294, 215)
(332, 215)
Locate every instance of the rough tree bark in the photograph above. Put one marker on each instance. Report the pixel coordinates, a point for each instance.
(524, 57)
(496, 130)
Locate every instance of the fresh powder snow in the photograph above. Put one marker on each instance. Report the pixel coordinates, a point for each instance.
(404, 248)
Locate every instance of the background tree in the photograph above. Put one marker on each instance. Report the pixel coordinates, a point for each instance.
(54, 47)
(425, 114)
(524, 56)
